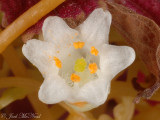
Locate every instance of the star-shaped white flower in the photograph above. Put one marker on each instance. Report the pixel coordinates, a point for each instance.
(77, 64)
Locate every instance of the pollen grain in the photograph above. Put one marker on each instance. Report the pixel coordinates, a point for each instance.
(75, 78)
(93, 68)
(94, 51)
(58, 62)
(78, 44)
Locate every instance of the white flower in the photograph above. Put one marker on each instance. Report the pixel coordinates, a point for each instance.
(77, 64)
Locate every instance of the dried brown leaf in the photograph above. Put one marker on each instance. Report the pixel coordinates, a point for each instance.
(158, 56)
(143, 34)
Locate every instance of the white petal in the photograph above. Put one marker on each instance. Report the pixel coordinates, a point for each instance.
(38, 52)
(96, 27)
(55, 30)
(95, 92)
(114, 59)
(53, 90)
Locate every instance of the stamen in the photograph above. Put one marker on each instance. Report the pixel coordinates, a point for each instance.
(93, 68)
(78, 44)
(57, 62)
(94, 51)
(75, 78)
(79, 104)
(80, 65)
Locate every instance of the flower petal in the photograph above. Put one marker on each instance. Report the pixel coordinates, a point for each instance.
(96, 92)
(55, 30)
(114, 59)
(38, 52)
(96, 27)
(53, 90)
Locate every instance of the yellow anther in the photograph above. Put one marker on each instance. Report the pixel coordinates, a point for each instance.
(57, 62)
(79, 104)
(93, 68)
(69, 54)
(75, 78)
(81, 44)
(94, 51)
(78, 45)
(75, 44)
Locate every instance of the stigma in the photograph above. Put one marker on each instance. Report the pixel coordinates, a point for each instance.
(80, 65)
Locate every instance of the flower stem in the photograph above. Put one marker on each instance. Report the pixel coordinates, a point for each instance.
(14, 62)
(26, 20)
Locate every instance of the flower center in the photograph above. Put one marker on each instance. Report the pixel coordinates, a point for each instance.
(81, 64)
